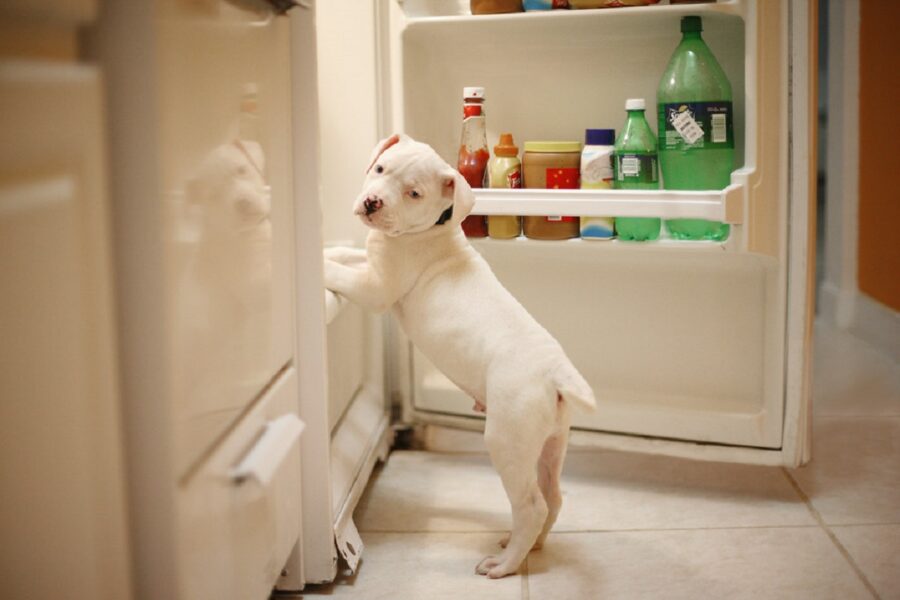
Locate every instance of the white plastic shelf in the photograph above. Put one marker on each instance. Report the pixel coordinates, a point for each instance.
(664, 244)
(712, 205)
(449, 13)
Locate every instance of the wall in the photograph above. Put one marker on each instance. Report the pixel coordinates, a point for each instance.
(860, 289)
(879, 130)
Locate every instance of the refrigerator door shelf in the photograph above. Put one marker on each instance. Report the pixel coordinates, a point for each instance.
(712, 205)
(430, 13)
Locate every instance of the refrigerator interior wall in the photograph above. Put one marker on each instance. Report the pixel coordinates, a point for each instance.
(679, 340)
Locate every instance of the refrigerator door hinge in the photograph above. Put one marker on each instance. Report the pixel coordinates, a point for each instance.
(349, 544)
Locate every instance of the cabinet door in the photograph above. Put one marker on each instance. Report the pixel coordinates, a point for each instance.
(60, 444)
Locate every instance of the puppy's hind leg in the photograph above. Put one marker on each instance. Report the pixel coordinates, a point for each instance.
(514, 449)
(549, 469)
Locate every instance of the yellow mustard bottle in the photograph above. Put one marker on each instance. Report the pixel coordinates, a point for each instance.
(505, 171)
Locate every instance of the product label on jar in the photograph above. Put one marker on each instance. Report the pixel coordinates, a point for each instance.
(636, 168)
(514, 179)
(565, 178)
(695, 125)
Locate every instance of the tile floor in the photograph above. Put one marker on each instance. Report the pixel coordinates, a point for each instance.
(636, 526)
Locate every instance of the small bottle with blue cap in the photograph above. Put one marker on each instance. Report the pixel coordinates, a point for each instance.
(597, 173)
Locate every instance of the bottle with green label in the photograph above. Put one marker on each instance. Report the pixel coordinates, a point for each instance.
(696, 128)
(634, 168)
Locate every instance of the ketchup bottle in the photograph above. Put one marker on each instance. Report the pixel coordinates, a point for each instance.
(473, 153)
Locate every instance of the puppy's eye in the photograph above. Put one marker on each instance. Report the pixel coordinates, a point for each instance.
(414, 195)
(379, 169)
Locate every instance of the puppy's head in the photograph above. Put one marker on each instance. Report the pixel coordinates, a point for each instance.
(409, 189)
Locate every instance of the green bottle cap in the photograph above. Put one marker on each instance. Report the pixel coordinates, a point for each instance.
(691, 24)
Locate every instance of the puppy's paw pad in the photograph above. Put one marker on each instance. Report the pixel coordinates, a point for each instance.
(488, 563)
(504, 541)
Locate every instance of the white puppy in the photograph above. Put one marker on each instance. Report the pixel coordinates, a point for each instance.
(418, 263)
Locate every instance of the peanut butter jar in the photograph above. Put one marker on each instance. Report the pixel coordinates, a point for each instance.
(551, 165)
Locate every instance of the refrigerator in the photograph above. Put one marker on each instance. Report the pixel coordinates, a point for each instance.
(695, 349)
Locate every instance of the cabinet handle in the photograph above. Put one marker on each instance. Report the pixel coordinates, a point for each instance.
(263, 460)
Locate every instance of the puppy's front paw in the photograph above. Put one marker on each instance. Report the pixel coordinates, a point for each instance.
(345, 255)
(331, 273)
(487, 563)
(334, 253)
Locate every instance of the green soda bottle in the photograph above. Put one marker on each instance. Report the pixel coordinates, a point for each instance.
(635, 168)
(696, 128)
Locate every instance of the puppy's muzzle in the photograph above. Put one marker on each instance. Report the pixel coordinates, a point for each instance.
(372, 204)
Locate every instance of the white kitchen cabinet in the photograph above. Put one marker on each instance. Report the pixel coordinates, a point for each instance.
(63, 517)
(63, 513)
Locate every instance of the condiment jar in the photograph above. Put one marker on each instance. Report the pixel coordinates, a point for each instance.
(614, 3)
(597, 174)
(551, 165)
(505, 171)
(493, 7)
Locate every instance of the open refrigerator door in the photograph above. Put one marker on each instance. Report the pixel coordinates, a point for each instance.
(694, 348)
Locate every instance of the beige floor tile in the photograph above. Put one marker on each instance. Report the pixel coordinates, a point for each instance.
(854, 476)
(851, 377)
(427, 491)
(432, 566)
(445, 439)
(876, 550)
(616, 491)
(778, 563)
(422, 491)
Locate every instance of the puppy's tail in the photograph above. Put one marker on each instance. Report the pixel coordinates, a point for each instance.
(574, 389)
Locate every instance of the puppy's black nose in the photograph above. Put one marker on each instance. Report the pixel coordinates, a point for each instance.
(372, 204)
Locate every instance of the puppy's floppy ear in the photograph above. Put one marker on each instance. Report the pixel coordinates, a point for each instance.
(381, 147)
(456, 187)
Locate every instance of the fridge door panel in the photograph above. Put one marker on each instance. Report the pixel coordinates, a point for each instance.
(227, 217)
(703, 343)
(674, 344)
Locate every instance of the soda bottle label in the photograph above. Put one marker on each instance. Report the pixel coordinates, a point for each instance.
(636, 168)
(696, 125)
